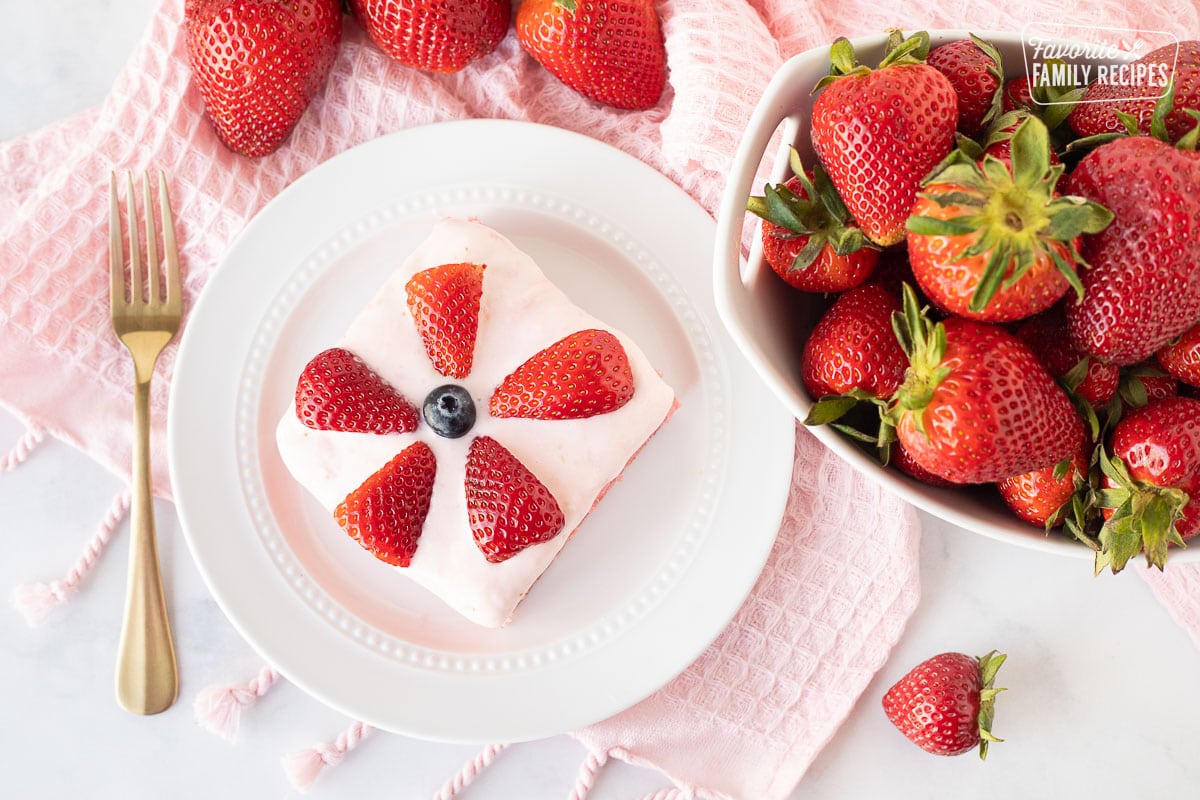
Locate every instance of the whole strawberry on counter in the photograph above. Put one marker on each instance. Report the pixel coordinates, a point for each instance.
(994, 241)
(259, 63)
(946, 704)
(976, 405)
(610, 51)
(808, 237)
(974, 68)
(879, 132)
(1151, 472)
(1143, 288)
(435, 35)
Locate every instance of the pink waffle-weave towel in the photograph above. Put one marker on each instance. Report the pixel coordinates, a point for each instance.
(748, 717)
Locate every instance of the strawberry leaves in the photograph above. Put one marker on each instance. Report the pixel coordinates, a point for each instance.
(1011, 214)
(818, 215)
(1142, 520)
(989, 665)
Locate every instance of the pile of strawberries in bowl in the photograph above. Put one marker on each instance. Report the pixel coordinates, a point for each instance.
(984, 291)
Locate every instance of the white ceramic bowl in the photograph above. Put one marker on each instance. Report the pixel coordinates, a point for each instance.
(770, 320)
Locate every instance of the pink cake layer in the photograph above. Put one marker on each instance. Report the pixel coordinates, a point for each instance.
(521, 313)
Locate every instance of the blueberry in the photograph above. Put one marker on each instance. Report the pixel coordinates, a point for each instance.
(449, 410)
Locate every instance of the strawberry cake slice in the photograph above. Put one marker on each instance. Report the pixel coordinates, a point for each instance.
(469, 419)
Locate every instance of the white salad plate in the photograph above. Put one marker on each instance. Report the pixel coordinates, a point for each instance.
(655, 572)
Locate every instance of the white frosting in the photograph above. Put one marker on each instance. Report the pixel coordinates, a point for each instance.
(521, 312)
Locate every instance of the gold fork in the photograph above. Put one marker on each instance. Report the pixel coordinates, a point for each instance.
(144, 318)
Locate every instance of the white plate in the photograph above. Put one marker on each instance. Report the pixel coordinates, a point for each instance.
(656, 571)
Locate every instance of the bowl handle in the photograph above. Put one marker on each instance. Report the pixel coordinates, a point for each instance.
(788, 95)
(784, 97)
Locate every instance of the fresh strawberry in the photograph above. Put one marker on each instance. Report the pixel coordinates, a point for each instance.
(808, 238)
(994, 241)
(258, 64)
(444, 303)
(1051, 103)
(1140, 385)
(1143, 289)
(976, 405)
(998, 143)
(1043, 496)
(1105, 101)
(387, 512)
(1046, 335)
(508, 508)
(893, 270)
(879, 132)
(1181, 357)
(1153, 471)
(435, 35)
(580, 375)
(945, 705)
(973, 68)
(853, 347)
(904, 462)
(338, 392)
(1017, 94)
(1158, 387)
(610, 51)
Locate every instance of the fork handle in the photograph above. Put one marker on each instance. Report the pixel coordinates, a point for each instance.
(147, 680)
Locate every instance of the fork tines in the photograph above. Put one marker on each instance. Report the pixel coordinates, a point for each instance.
(144, 290)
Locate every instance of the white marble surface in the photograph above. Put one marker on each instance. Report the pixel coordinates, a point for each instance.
(1103, 687)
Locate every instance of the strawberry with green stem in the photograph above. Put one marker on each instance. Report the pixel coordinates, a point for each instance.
(998, 142)
(1044, 497)
(879, 132)
(994, 241)
(1151, 472)
(1050, 102)
(808, 237)
(946, 704)
(976, 405)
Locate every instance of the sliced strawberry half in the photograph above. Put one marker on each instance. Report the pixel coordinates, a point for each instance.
(444, 303)
(579, 376)
(337, 391)
(387, 512)
(508, 508)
